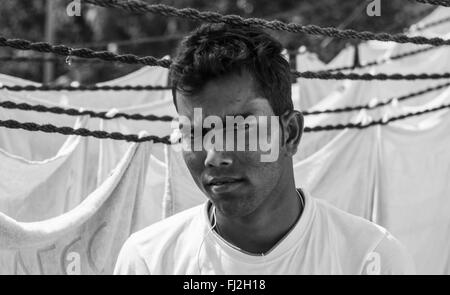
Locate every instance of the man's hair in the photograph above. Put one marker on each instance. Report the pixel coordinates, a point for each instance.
(216, 50)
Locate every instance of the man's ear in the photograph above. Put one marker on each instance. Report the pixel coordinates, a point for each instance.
(292, 125)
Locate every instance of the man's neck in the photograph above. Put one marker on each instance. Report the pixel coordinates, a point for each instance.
(263, 229)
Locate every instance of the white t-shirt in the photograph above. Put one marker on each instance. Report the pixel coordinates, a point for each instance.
(325, 240)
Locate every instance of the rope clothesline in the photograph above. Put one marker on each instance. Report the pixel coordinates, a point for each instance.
(377, 104)
(381, 61)
(368, 64)
(82, 60)
(51, 59)
(48, 128)
(83, 52)
(85, 88)
(420, 27)
(445, 3)
(152, 61)
(326, 75)
(75, 112)
(136, 6)
(376, 62)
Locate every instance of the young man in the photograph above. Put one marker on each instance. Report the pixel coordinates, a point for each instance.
(256, 221)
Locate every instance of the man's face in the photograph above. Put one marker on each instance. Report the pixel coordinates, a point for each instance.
(237, 182)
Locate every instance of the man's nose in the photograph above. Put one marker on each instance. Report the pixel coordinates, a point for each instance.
(217, 158)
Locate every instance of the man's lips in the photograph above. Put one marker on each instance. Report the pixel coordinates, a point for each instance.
(215, 181)
(219, 185)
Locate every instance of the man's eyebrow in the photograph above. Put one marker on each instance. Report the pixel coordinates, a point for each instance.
(223, 118)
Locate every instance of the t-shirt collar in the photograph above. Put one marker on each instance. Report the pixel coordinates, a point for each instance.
(292, 239)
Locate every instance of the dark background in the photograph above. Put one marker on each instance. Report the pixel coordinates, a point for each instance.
(158, 36)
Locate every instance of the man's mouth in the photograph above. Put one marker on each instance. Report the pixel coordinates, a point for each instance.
(222, 184)
(221, 181)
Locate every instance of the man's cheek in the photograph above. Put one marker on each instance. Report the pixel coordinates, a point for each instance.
(195, 162)
(249, 159)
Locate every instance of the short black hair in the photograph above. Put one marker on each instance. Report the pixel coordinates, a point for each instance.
(215, 50)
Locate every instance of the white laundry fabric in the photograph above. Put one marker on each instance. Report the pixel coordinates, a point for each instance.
(40, 146)
(434, 61)
(181, 191)
(314, 141)
(371, 92)
(10, 80)
(160, 107)
(87, 238)
(325, 240)
(372, 50)
(35, 190)
(31, 145)
(102, 100)
(413, 189)
(158, 128)
(152, 201)
(343, 172)
(311, 91)
(142, 102)
(436, 30)
(418, 121)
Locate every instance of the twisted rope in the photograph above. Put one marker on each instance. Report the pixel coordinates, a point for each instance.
(83, 52)
(152, 61)
(383, 60)
(398, 56)
(378, 104)
(326, 75)
(382, 121)
(103, 115)
(49, 59)
(445, 3)
(75, 112)
(81, 60)
(85, 88)
(213, 17)
(48, 128)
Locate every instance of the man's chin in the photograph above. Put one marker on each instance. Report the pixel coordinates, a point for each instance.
(233, 205)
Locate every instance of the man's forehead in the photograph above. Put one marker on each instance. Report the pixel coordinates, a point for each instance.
(223, 96)
(247, 106)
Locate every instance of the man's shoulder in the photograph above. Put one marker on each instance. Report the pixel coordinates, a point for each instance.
(389, 257)
(142, 251)
(349, 224)
(168, 229)
(370, 246)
